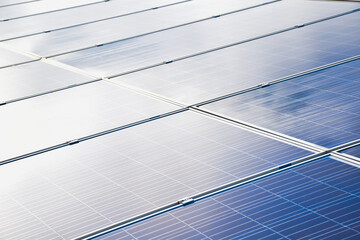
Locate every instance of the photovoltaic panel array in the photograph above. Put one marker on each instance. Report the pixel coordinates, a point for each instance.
(135, 53)
(312, 201)
(322, 107)
(73, 190)
(179, 119)
(41, 24)
(88, 35)
(66, 115)
(246, 65)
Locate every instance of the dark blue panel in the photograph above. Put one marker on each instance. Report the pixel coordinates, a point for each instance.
(355, 151)
(309, 201)
(322, 108)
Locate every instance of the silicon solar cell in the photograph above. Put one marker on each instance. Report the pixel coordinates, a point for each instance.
(144, 51)
(354, 151)
(111, 178)
(87, 146)
(82, 15)
(321, 108)
(318, 200)
(55, 118)
(34, 78)
(246, 65)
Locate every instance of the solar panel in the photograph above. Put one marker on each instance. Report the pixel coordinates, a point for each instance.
(306, 202)
(9, 58)
(71, 39)
(355, 151)
(246, 65)
(179, 119)
(63, 116)
(34, 78)
(72, 17)
(302, 107)
(98, 182)
(39, 7)
(145, 51)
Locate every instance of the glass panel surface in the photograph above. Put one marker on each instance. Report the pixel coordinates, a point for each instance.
(222, 72)
(55, 118)
(321, 108)
(37, 7)
(79, 188)
(319, 200)
(8, 57)
(355, 151)
(71, 17)
(8, 2)
(115, 29)
(144, 51)
(35, 77)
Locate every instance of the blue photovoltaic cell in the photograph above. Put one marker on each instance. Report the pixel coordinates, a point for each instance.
(95, 183)
(155, 48)
(321, 108)
(318, 200)
(355, 151)
(246, 65)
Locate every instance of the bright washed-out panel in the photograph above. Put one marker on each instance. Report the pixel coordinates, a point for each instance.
(167, 45)
(58, 117)
(9, 2)
(9, 57)
(71, 17)
(321, 108)
(319, 200)
(354, 151)
(83, 187)
(37, 7)
(33, 78)
(225, 71)
(119, 28)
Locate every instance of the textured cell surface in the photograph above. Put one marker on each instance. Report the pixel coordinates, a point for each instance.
(55, 118)
(354, 151)
(321, 108)
(112, 110)
(140, 52)
(71, 18)
(319, 200)
(239, 67)
(114, 29)
(76, 189)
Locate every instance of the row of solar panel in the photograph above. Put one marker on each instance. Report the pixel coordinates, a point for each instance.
(280, 55)
(76, 189)
(299, 107)
(318, 200)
